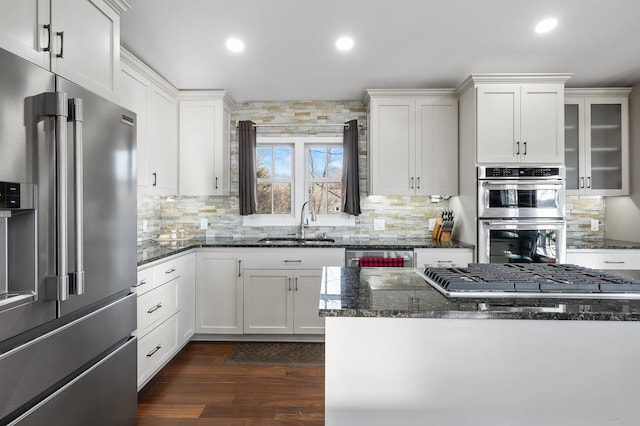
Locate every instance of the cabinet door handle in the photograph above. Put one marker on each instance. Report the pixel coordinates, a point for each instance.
(61, 35)
(518, 148)
(418, 181)
(155, 179)
(296, 288)
(293, 261)
(239, 267)
(289, 281)
(410, 302)
(411, 183)
(156, 349)
(216, 182)
(588, 181)
(582, 182)
(154, 308)
(417, 304)
(525, 147)
(47, 28)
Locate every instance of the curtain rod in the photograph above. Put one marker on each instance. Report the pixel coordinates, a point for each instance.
(303, 125)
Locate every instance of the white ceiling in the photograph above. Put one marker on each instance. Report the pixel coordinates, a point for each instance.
(290, 53)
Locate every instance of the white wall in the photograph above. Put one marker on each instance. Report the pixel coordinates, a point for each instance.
(623, 213)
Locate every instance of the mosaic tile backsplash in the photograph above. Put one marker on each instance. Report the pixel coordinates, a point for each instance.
(405, 216)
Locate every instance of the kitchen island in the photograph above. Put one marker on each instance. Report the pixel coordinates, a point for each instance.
(399, 352)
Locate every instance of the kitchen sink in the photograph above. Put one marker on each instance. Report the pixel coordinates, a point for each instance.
(295, 240)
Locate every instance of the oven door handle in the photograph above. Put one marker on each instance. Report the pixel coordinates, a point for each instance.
(525, 222)
(518, 184)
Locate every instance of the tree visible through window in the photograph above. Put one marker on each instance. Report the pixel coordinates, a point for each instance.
(275, 179)
(276, 173)
(323, 178)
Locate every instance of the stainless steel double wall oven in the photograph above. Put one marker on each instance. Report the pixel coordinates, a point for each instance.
(521, 214)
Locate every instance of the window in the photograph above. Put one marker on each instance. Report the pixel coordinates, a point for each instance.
(293, 170)
(274, 165)
(324, 177)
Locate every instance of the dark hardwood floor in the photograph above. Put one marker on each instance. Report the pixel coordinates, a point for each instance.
(196, 388)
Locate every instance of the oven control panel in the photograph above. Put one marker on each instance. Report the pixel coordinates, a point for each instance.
(520, 172)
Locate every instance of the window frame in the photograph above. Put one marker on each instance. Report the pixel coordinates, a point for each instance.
(300, 144)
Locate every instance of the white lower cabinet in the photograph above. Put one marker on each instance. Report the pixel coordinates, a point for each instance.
(165, 312)
(443, 257)
(156, 348)
(219, 299)
(282, 289)
(622, 259)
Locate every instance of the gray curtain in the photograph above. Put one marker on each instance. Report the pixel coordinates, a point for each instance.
(248, 181)
(350, 170)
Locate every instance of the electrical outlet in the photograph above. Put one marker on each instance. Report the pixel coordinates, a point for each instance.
(204, 223)
(595, 224)
(378, 224)
(145, 225)
(432, 224)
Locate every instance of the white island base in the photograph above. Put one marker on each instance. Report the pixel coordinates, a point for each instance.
(418, 371)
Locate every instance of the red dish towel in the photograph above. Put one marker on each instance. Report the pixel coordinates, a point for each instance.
(385, 262)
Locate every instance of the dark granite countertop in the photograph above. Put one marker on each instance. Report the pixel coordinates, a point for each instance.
(401, 293)
(606, 244)
(152, 250)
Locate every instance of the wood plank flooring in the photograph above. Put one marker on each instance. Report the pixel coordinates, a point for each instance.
(196, 388)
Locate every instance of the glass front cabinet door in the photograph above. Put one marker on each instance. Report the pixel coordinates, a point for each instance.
(597, 141)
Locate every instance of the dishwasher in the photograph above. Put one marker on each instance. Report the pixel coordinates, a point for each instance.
(380, 258)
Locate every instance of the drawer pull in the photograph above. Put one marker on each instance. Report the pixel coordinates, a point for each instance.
(615, 261)
(444, 261)
(293, 261)
(141, 282)
(170, 271)
(155, 308)
(156, 349)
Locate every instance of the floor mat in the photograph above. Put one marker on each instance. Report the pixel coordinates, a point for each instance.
(281, 353)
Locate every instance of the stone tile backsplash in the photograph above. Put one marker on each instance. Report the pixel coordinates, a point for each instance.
(405, 216)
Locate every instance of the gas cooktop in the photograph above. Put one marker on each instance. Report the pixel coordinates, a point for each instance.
(518, 280)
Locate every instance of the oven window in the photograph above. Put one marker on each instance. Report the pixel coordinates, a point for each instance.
(522, 246)
(523, 198)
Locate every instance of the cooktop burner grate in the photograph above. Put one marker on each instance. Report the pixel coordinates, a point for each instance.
(530, 280)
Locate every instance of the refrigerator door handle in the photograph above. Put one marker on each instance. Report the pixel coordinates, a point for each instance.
(62, 272)
(76, 285)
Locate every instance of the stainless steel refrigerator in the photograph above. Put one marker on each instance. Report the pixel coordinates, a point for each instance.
(67, 252)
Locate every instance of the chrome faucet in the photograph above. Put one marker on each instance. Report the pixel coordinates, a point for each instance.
(304, 222)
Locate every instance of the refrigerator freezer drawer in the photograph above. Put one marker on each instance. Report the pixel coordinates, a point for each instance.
(55, 357)
(103, 395)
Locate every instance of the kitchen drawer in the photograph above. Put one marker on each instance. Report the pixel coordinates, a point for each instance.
(299, 258)
(605, 259)
(144, 282)
(156, 348)
(156, 306)
(167, 271)
(443, 257)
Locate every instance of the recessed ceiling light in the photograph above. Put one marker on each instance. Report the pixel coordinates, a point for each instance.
(546, 25)
(344, 43)
(235, 45)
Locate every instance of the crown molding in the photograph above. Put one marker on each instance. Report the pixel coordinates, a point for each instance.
(120, 6)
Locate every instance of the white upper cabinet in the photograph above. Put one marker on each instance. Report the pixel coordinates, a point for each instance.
(77, 39)
(155, 103)
(597, 141)
(414, 142)
(520, 123)
(204, 142)
(514, 118)
(24, 29)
